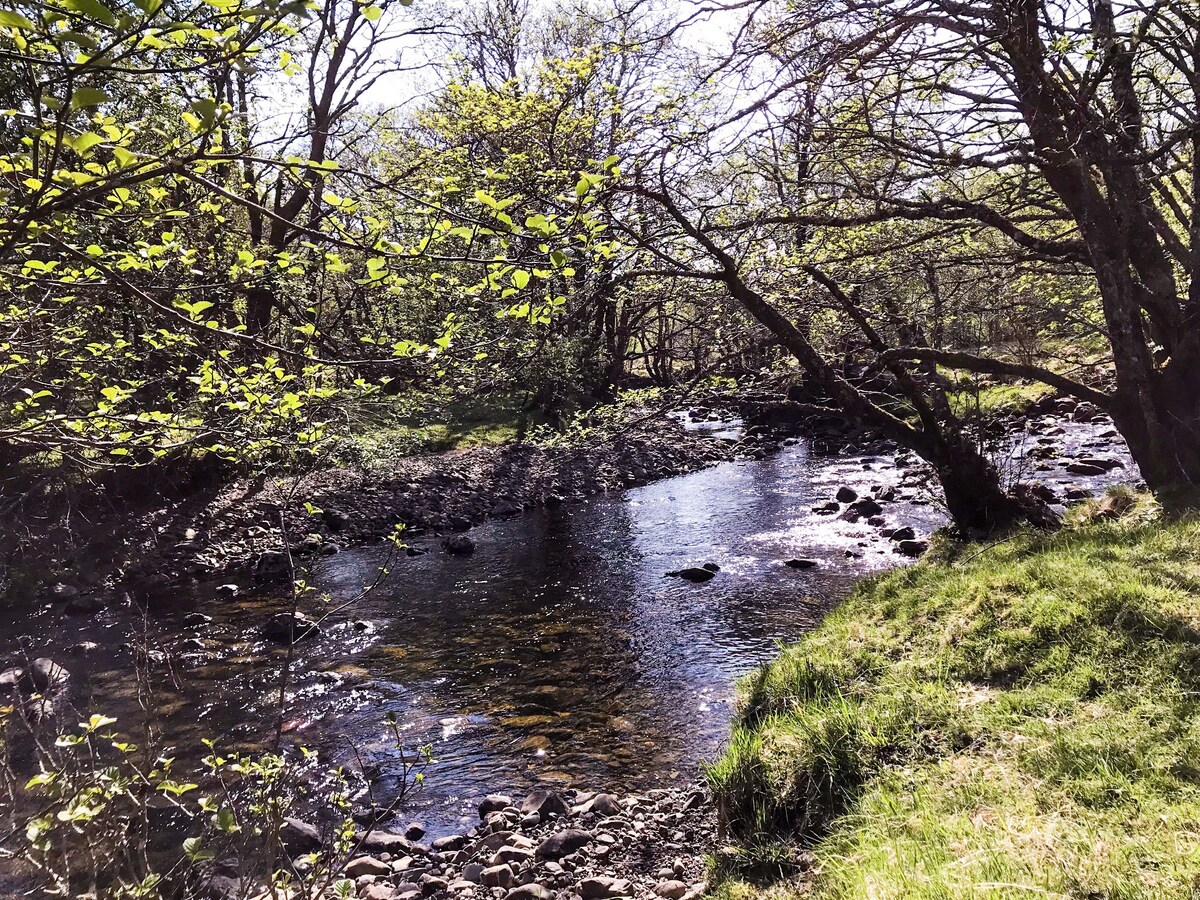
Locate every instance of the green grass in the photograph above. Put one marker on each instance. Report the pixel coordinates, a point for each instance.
(394, 431)
(997, 399)
(1022, 721)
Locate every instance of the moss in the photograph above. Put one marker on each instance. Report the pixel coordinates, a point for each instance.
(1021, 721)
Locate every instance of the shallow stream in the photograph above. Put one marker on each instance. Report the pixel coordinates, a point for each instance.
(559, 652)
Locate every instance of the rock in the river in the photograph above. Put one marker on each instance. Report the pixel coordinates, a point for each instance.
(458, 545)
(336, 520)
(299, 837)
(903, 534)
(1083, 468)
(545, 803)
(846, 494)
(287, 628)
(47, 676)
(801, 563)
(63, 592)
(493, 803)
(912, 548)
(563, 843)
(415, 831)
(866, 507)
(86, 605)
(272, 566)
(711, 566)
(694, 574)
(504, 508)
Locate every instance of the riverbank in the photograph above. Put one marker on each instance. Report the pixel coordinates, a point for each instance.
(149, 538)
(1015, 720)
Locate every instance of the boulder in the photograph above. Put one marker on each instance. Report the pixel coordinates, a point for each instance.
(563, 844)
(61, 593)
(912, 548)
(511, 855)
(367, 865)
(604, 887)
(801, 563)
(1102, 463)
(451, 843)
(384, 842)
(493, 803)
(47, 676)
(545, 803)
(694, 574)
(336, 520)
(606, 805)
(272, 566)
(532, 891)
(287, 628)
(903, 534)
(86, 605)
(671, 890)
(1083, 468)
(500, 876)
(866, 507)
(458, 545)
(846, 495)
(299, 837)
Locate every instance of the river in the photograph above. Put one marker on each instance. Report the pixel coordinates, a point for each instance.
(559, 652)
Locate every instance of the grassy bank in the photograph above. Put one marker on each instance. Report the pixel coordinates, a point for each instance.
(1021, 721)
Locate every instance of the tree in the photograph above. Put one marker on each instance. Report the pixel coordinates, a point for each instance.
(1071, 130)
(147, 212)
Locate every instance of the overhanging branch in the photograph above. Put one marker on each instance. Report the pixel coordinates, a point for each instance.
(970, 362)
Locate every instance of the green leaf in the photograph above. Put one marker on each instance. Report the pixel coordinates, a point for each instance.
(88, 96)
(14, 20)
(520, 278)
(206, 110)
(81, 144)
(372, 13)
(92, 9)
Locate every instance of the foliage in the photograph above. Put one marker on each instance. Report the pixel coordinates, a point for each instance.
(119, 819)
(155, 298)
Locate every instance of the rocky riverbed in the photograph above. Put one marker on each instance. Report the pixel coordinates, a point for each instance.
(572, 845)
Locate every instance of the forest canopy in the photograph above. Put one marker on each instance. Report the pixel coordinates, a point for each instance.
(231, 226)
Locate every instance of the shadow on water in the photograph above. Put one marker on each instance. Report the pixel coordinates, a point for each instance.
(558, 653)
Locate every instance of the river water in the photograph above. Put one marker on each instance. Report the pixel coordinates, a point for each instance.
(558, 653)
